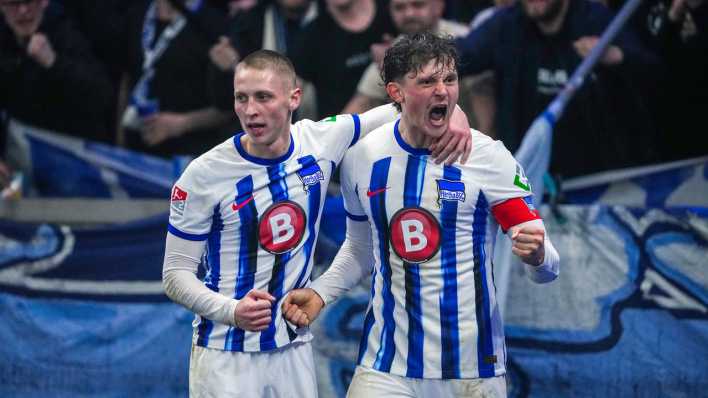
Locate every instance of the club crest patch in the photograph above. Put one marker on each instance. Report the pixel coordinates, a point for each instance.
(310, 174)
(450, 190)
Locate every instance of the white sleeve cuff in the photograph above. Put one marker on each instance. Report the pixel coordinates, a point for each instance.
(549, 269)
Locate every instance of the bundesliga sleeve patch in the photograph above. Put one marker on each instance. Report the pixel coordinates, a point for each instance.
(515, 211)
(178, 199)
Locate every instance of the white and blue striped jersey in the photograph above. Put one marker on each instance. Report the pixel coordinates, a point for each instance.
(433, 312)
(259, 218)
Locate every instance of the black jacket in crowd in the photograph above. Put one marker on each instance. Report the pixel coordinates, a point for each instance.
(73, 96)
(605, 126)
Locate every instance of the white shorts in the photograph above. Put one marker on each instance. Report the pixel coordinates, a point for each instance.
(283, 373)
(369, 383)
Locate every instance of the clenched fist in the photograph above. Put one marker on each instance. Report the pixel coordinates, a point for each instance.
(253, 312)
(528, 244)
(302, 306)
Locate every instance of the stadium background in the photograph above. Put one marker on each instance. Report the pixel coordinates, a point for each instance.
(84, 313)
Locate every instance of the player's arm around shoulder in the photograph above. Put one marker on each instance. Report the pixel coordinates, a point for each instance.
(333, 134)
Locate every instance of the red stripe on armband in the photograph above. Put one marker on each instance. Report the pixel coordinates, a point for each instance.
(515, 211)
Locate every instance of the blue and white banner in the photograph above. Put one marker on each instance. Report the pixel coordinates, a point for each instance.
(681, 184)
(57, 165)
(84, 313)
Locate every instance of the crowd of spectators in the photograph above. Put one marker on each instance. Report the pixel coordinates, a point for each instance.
(156, 75)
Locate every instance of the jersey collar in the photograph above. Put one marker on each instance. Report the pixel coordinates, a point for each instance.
(262, 161)
(403, 144)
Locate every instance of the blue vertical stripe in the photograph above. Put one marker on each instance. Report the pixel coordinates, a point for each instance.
(279, 192)
(248, 253)
(314, 195)
(485, 347)
(357, 129)
(368, 321)
(449, 332)
(213, 276)
(379, 179)
(412, 189)
(278, 188)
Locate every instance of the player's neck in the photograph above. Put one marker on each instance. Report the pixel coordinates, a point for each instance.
(413, 135)
(273, 150)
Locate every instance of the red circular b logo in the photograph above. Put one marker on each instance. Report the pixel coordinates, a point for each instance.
(415, 234)
(282, 227)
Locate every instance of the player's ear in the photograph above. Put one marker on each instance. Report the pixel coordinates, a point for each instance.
(295, 96)
(394, 91)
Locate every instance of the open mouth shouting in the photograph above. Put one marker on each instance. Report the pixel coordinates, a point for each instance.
(437, 115)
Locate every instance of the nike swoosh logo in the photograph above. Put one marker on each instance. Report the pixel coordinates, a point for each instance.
(375, 192)
(238, 206)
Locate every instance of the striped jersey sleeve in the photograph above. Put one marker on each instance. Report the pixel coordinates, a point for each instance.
(504, 178)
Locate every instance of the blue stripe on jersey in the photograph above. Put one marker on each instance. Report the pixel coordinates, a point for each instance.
(485, 347)
(379, 179)
(278, 188)
(449, 332)
(184, 235)
(412, 190)
(213, 275)
(279, 192)
(368, 321)
(357, 129)
(314, 194)
(248, 254)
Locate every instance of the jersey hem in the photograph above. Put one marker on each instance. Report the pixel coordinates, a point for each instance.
(304, 338)
(468, 374)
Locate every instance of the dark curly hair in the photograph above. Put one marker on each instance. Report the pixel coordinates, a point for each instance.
(410, 53)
